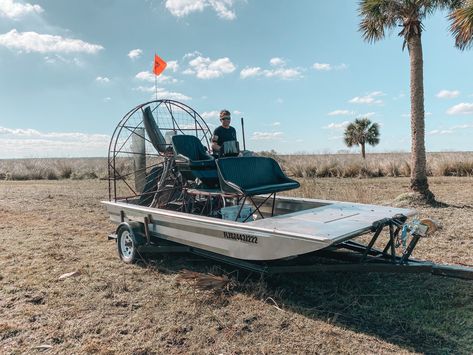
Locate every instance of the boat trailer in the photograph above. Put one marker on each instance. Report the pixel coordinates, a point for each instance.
(347, 256)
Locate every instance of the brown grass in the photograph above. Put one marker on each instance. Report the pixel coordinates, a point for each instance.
(49, 228)
(53, 169)
(299, 166)
(375, 165)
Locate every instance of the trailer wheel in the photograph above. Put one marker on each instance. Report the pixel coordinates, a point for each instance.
(128, 241)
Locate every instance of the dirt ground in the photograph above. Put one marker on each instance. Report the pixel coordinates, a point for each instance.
(48, 228)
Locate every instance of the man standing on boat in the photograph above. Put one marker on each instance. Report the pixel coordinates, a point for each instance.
(225, 133)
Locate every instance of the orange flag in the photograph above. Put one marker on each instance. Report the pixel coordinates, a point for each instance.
(159, 65)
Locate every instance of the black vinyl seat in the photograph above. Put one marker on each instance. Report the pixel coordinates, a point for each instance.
(250, 176)
(193, 160)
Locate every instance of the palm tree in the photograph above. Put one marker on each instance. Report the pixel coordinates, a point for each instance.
(381, 15)
(360, 132)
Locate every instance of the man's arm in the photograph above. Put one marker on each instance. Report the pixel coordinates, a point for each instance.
(215, 147)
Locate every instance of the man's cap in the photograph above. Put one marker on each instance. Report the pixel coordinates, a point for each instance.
(224, 114)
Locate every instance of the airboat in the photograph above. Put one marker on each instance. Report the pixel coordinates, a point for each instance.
(168, 193)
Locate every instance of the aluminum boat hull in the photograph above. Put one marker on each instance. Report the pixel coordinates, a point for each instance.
(306, 225)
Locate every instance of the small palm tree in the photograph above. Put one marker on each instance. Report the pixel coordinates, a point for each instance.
(362, 132)
(381, 15)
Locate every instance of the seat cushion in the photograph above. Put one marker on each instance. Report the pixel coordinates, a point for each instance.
(203, 165)
(265, 189)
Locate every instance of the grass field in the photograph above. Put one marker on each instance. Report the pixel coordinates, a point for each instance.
(299, 166)
(48, 228)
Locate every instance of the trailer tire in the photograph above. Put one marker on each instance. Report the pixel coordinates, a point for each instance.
(129, 238)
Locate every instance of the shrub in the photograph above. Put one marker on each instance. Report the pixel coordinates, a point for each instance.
(296, 170)
(310, 171)
(64, 169)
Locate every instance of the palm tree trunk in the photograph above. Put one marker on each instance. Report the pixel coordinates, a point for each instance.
(363, 154)
(419, 182)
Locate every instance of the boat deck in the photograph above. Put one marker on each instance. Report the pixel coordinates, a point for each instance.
(332, 221)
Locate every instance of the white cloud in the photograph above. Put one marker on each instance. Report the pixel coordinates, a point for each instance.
(191, 55)
(181, 8)
(56, 58)
(102, 79)
(322, 66)
(135, 53)
(275, 124)
(163, 93)
(283, 73)
(461, 109)
(44, 43)
(340, 125)
(341, 113)
(266, 135)
(107, 99)
(236, 112)
(371, 98)
(205, 68)
(210, 115)
(18, 143)
(446, 94)
(368, 114)
(280, 71)
(276, 61)
(172, 65)
(145, 75)
(440, 132)
(463, 126)
(150, 77)
(328, 67)
(15, 10)
(248, 72)
(450, 130)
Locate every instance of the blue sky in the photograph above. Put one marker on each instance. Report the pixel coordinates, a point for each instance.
(297, 71)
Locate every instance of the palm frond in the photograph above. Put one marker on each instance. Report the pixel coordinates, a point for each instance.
(206, 282)
(377, 16)
(462, 25)
(431, 6)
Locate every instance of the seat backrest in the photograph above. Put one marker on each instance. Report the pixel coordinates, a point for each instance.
(190, 147)
(152, 129)
(250, 172)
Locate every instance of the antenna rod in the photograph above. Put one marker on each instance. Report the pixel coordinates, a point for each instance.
(243, 133)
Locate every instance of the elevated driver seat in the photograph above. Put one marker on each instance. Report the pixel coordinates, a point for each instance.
(193, 160)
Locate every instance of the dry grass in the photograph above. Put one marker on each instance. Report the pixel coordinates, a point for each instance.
(375, 165)
(53, 169)
(49, 228)
(299, 166)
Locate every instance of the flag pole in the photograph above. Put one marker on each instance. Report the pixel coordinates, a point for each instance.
(155, 81)
(243, 133)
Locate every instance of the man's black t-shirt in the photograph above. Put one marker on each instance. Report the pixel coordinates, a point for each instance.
(222, 135)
